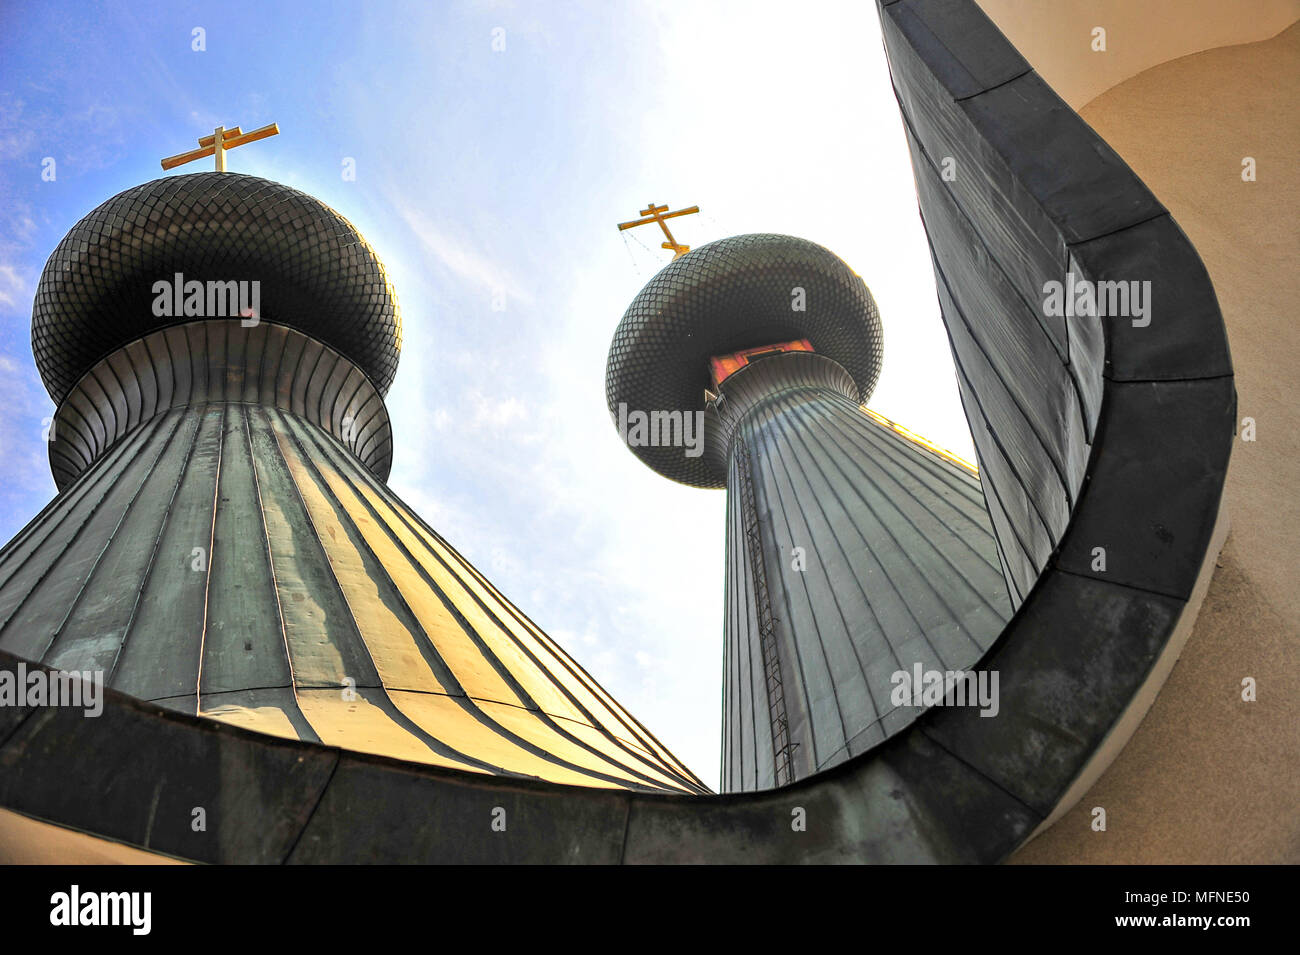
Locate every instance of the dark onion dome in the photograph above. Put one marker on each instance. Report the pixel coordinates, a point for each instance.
(316, 273)
(728, 295)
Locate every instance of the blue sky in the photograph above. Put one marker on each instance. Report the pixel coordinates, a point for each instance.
(483, 173)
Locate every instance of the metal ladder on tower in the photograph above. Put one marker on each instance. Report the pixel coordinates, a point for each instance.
(782, 747)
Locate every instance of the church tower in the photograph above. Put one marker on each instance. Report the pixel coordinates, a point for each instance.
(857, 555)
(223, 542)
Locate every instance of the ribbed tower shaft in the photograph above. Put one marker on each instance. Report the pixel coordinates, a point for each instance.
(225, 552)
(875, 554)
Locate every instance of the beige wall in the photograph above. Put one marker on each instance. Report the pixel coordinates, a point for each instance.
(1055, 36)
(26, 841)
(1207, 777)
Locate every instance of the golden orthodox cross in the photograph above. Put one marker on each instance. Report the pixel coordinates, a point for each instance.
(217, 144)
(659, 214)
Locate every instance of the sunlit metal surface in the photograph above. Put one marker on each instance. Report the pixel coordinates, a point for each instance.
(227, 554)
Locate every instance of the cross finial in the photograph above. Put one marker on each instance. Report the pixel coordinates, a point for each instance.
(658, 214)
(217, 144)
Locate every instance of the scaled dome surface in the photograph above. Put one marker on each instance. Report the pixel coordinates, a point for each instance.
(317, 273)
(722, 297)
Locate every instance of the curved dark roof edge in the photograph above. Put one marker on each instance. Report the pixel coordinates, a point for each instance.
(274, 800)
(1157, 424)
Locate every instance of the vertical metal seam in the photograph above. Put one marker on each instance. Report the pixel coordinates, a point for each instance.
(279, 362)
(728, 634)
(881, 441)
(341, 411)
(778, 719)
(270, 563)
(325, 392)
(157, 544)
(120, 427)
(878, 439)
(475, 639)
(155, 369)
(773, 414)
(943, 556)
(537, 665)
(261, 364)
(794, 412)
(56, 504)
(87, 436)
(442, 672)
(1057, 465)
(320, 798)
(112, 534)
(634, 727)
(99, 407)
(311, 377)
(942, 473)
(125, 352)
(862, 535)
(68, 543)
(1017, 480)
(435, 744)
(212, 559)
(1064, 359)
(741, 566)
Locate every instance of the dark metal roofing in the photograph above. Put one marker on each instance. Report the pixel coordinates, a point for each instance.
(234, 561)
(317, 273)
(897, 566)
(727, 295)
(209, 361)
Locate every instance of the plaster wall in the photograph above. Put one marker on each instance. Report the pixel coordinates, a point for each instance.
(1056, 36)
(1208, 778)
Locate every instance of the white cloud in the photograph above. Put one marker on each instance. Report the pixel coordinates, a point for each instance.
(13, 290)
(497, 413)
(462, 261)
